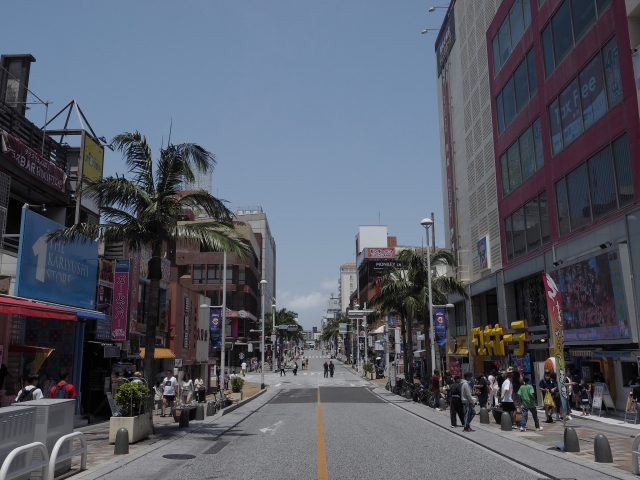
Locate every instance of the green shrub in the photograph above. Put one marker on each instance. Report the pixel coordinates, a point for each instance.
(236, 384)
(132, 399)
(367, 367)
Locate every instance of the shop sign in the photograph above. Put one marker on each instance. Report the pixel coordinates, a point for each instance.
(215, 327)
(488, 341)
(31, 162)
(93, 158)
(447, 156)
(185, 341)
(446, 39)
(380, 253)
(120, 301)
(106, 273)
(54, 271)
(112, 351)
(556, 325)
(103, 328)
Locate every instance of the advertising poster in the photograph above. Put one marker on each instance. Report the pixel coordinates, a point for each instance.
(483, 253)
(522, 364)
(53, 271)
(440, 326)
(556, 325)
(215, 324)
(120, 301)
(454, 368)
(598, 391)
(93, 159)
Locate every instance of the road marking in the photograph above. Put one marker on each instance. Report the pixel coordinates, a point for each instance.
(277, 385)
(322, 458)
(272, 431)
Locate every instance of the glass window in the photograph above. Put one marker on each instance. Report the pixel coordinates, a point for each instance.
(602, 5)
(602, 184)
(624, 175)
(509, 102)
(563, 207)
(532, 223)
(519, 239)
(562, 32)
(229, 273)
(500, 114)
(517, 22)
(612, 72)
(547, 51)
(242, 272)
(554, 125)
(584, 15)
(241, 301)
(526, 10)
(213, 274)
(515, 176)
(570, 112)
(198, 274)
(521, 82)
(229, 300)
(505, 42)
(495, 45)
(508, 237)
(531, 68)
(213, 296)
(537, 143)
(527, 154)
(594, 102)
(544, 218)
(504, 173)
(578, 192)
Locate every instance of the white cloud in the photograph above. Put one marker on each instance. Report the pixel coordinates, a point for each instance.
(298, 302)
(329, 285)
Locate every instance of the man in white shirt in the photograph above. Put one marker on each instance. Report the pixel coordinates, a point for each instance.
(506, 397)
(30, 391)
(243, 368)
(169, 395)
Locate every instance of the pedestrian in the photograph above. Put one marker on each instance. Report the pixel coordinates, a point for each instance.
(186, 390)
(557, 399)
(456, 402)
(200, 390)
(243, 368)
(528, 399)
(435, 389)
(137, 378)
(494, 388)
(218, 376)
(158, 392)
(169, 392)
(63, 389)
(482, 387)
(326, 369)
(468, 402)
(282, 369)
(585, 389)
(259, 366)
(506, 397)
(566, 402)
(226, 379)
(331, 368)
(30, 390)
(295, 369)
(635, 395)
(548, 386)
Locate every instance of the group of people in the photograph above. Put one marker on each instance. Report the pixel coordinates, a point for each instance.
(31, 390)
(329, 368)
(166, 391)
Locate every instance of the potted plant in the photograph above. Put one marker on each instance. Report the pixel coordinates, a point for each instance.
(368, 369)
(132, 414)
(236, 387)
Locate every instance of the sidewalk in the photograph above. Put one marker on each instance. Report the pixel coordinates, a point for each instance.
(100, 452)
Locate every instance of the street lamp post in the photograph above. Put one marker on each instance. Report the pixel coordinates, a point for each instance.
(357, 307)
(426, 223)
(273, 344)
(263, 284)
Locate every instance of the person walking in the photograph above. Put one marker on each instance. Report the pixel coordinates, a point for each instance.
(528, 399)
(295, 369)
(506, 398)
(585, 389)
(635, 395)
(30, 390)
(456, 402)
(566, 402)
(243, 368)
(467, 401)
(200, 390)
(494, 388)
(169, 392)
(435, 389)
(482, 387)
(158, 391)
(557, 398)
(326, 369)
(548, 386)
(186, 390)
(332, 367)
(63, 389)
(282, 370)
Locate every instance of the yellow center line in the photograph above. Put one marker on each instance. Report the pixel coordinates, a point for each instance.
(322, 458)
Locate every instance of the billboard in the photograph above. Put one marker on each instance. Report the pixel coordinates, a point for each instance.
(215, 324)
(120, 300)
(593, 299)
(52, 271)
(379, 253)
(446, 39)
(484, 259)
(439, 325)
(376, 268)
(92, 159)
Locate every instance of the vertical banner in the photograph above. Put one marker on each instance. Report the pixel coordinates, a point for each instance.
(120, 300)
(215, 324)
(439, 326)
(556, 327)
(447, 156)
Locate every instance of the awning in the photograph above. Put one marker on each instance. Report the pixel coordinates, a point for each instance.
(29, 308)
(80, 312)
(28, 349)
(159, 353)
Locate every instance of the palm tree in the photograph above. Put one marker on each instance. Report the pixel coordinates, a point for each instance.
(283, 317)
(404, 291)
(150, 209)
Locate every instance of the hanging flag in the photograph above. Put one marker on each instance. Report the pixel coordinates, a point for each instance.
(215, 324)
(439, 326)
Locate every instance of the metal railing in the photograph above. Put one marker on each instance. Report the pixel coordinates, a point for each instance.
(29, 467)
(57, 458)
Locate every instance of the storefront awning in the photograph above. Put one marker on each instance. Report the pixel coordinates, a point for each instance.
(28, 349)
(29, 308)
(80, 312)
(159, 353)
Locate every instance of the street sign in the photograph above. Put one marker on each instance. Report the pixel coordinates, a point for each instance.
(177, 363)
(292, 328)
(342, 328)
(392, 320)
(273, 338)
(283, 327)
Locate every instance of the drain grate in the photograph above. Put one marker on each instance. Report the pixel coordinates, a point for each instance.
(179, 456)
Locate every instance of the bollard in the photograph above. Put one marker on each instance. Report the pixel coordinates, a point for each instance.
(484, 416)
(505, 422)
(571, 442)
(184, 418)
(442, 404)
(211, 409)
(122, 442)
(200, 412)
(602, 449)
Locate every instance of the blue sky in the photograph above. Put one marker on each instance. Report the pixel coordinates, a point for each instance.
(322, 112)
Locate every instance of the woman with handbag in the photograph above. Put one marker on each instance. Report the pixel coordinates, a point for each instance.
(547, 386)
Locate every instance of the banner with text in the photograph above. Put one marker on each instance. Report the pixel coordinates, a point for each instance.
(439, 325)
(120, 300)
(556, 324)
(215, 324)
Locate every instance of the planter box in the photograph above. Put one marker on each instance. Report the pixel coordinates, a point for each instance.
(138, 427)
(236, 396)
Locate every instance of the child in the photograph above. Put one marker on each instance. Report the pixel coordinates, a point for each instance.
(528, 404)
(584, 398)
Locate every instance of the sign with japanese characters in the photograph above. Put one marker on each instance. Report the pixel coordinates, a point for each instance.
(120, 301)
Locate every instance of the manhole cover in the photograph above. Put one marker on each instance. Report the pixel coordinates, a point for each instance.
(178, 456)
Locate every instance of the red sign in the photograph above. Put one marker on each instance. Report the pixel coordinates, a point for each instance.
(32, 163)
(447, 157)
(380, 253)
(120, 301)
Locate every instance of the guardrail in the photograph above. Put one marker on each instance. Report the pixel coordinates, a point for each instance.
(56, 458)
(30, 467)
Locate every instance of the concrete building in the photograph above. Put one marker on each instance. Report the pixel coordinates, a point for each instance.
(346, 284)
(255, 217)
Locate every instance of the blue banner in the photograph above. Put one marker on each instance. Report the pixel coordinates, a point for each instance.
(215, 324)
(440, 326)
(53, 271)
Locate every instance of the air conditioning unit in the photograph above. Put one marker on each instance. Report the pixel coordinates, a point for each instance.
(17, 428)
(53, 419)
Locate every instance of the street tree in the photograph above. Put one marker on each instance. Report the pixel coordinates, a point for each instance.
(283, 317)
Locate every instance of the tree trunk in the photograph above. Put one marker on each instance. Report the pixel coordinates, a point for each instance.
(155, 275)
(408, 376)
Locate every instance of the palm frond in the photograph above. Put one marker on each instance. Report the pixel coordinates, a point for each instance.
(214, 207)
(137, 156)
(215, 236)
(80, 232)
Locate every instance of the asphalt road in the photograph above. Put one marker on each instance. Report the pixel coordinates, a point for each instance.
(313, 427)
